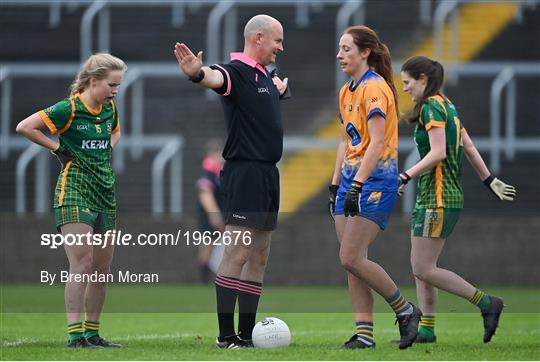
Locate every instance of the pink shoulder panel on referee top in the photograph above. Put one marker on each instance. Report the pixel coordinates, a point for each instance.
(247, 60)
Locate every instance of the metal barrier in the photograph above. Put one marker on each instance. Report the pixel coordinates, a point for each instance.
(134, 76)
(523, 145)
(138, 71)
(86, 29)
(170, 152)
(506, 72)
(444, 9)
(407, 146)
(451, 7)
(424, 12)
(12, 70)
(41, 187)
(348, 10)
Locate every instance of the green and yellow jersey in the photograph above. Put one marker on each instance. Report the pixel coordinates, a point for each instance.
(90, 181)
(440, 186)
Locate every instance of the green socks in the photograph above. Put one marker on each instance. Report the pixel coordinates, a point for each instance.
(427, 325)
(480, 299)
(90, 329)
(75, 331)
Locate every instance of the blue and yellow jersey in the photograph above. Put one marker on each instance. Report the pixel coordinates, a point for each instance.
(358, 102)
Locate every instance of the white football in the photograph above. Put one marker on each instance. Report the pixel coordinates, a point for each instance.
(271, 333)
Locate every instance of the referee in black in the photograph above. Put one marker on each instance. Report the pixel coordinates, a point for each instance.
(250, 178)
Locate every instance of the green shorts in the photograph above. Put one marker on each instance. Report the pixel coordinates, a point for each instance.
(434, 223)
(99, 221)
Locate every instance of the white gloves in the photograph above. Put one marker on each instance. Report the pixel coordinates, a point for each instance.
(403, 179)
(500, 189)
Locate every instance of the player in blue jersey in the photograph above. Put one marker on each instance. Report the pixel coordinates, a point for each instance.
(364, 184)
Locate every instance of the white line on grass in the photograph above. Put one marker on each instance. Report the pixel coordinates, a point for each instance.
(18, 342)
(146, 337)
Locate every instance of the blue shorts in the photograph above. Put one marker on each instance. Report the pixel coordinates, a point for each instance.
(374, 205)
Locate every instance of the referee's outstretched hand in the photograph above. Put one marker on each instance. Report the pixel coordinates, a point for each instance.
(188, 62)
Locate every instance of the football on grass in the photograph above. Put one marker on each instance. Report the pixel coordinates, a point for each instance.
(271, 332)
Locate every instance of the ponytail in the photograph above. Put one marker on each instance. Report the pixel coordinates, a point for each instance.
(382, 63)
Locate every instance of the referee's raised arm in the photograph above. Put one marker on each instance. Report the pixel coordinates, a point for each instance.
(192, 66)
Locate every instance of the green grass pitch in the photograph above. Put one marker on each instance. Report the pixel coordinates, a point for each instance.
(176, 322)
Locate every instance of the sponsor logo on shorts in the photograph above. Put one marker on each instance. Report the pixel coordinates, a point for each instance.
(374, 197)
(242, 217)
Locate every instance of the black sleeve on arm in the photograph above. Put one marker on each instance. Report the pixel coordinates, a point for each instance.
(225, 70)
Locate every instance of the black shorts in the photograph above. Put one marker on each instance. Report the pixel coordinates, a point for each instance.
(250, 194)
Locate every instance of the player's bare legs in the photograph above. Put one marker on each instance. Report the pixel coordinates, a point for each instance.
(255, 265)
(236, 256)
(359, 233)
(80, 262)
(424, 255)
(361, 301)
(427, 296)
(359, 291)
(95, 292)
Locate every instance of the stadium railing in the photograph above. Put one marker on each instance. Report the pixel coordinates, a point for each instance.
(505, 74)
(350, 11)
(407, 146)
(450, 8)
(170, 151)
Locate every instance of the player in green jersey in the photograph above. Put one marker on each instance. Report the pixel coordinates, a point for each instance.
(441, 141)
(88, 128)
